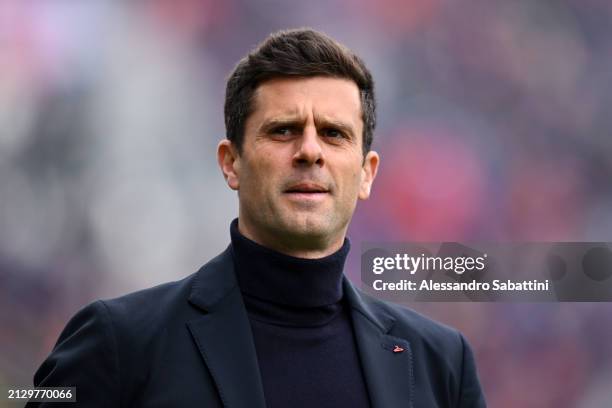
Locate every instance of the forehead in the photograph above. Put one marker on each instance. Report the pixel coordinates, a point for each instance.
(327, 97)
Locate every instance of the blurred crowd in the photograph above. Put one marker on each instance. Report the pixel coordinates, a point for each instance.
(494, 125)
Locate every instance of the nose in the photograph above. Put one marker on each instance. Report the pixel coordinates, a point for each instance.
(309, 151)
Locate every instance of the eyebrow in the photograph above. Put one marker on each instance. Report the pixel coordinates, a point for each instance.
(272, 123)
(295, 121)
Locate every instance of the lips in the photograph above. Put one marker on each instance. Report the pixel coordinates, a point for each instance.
(307, 188)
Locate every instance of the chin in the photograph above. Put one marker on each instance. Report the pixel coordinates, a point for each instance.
(307, 224)
(316, 233)
(307, 231)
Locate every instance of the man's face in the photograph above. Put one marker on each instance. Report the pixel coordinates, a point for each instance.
(302, 168)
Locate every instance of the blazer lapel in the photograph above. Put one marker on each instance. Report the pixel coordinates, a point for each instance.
(386, 360)
(223, 335)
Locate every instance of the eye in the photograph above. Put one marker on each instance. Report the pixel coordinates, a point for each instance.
(333, 133)
(282, 131)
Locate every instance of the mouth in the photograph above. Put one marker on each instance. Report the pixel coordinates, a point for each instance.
(307, 188)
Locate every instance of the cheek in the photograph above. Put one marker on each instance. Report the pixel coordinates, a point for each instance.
(351, 184)
(259, 177)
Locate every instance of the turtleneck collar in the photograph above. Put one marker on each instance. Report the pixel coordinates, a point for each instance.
(275, 277)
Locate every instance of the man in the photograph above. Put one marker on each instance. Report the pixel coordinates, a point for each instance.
(272, 321)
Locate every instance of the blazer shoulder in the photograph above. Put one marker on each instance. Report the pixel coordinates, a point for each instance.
(167, 300)
(150, 299)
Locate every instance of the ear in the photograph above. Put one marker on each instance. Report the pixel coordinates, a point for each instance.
(229, 163)
(368, 173)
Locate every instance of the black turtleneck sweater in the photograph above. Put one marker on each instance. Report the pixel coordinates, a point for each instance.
(301, 327)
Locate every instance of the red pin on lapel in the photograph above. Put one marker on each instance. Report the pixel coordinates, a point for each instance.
(397, 349)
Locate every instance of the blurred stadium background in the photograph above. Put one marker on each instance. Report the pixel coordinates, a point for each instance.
(494, 124)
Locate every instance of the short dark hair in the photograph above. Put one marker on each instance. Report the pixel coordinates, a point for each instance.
(299, 53)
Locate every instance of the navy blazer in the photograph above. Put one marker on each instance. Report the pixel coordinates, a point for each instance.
(189, 344)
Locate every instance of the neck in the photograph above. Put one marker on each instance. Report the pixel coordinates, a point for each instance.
(283, 279)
